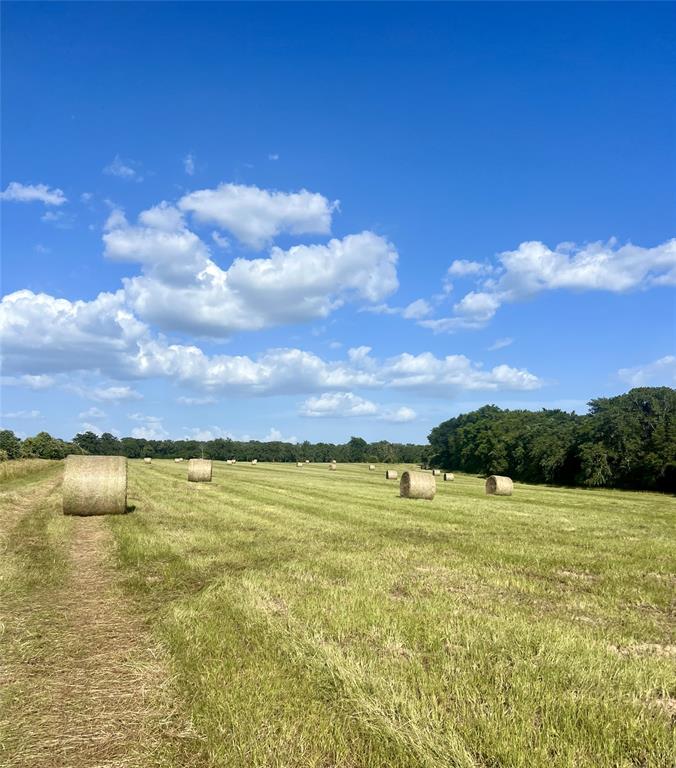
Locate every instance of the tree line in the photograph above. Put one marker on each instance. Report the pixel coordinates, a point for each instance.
(43, 445)
(627, 441)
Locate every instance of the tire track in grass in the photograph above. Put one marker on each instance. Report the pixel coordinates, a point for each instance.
(85, 684)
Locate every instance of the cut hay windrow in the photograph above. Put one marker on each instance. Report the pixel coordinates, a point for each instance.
(498, 485)
(199, 470)
(391, 474)
(449, 476)
(95, 485)
(417, 485)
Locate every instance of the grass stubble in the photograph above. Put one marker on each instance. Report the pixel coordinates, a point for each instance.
(317, 619)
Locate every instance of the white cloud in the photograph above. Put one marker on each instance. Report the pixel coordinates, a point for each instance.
(92, 413)
(196, 400)
(533, 268)
(463, 268)
(347, 404)
(275, 436)
(256, 216)
(208, 433)
(416, 310)
(112, 394)
(22, 415)
(60, 219)
(151, 427)
(220, 240)
(123, 169)
(189, 164)
(661, 372)
(27, 380)
(273, 156)
(183, 289)
(338, 404)
(28, 193)
(500, 344)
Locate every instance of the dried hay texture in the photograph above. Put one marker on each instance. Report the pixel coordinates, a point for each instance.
(371, 467)
(300, 464)
(449, 476)
(95, 485)
(333, 467)
(199, 470)
(254, 461)
(178, 460)
(391, 474)
(417, 485)
(147, 460)
(436, 472)
(497, 485)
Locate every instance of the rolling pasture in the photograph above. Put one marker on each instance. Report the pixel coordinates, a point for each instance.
(283, 616)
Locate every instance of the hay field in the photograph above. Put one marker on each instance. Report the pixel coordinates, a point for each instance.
(314, 618)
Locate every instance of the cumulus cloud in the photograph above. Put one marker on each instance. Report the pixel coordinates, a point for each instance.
(28, 193)
(123, 169)
(256, 216)
(347, 404)
(112, 394)
(275, 436)
(92, 413)
(151, 427)
(533, 268)
(660, 372)
(182, 288)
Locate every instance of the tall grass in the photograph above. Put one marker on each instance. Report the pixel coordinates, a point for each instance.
(18, 468)
(317, 619)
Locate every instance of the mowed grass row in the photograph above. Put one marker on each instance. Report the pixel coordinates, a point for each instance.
(314, 618)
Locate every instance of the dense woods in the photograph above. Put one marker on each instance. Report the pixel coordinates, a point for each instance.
(627, 441)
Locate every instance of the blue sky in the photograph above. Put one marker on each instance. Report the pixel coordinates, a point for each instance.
(315, 221)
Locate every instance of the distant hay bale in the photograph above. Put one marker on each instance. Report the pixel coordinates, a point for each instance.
(391, 474)
(417, 485)
(177, 460)
(436, 472)
(300, 464)
(448, 476)
(333, 467)
(307, 461)
(147, 460)
(254, 461)
(199, 470)
(497, 485)
(371, 467)
(95, 485)
(333, 461)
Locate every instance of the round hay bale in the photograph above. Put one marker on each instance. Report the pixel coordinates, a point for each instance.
(300, 464)
(436, 472)
(333, 467)
(178, 460)
(391, 474)
(371, 467)
(254, 461)
(417, 485)
(307, 461)
(95, 485)
(497, 485)
(147, 460)
(199, 470)
(448, 476)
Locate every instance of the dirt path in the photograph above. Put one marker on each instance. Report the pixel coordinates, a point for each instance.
(83, 672)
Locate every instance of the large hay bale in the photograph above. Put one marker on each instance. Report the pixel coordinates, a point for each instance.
(391, 474)
(448, 476)
(147, 460)
(371, 467)
(497, 485)
(95, 485)
(333, 467)
(199, 470)
(417, 485)
(436, 472)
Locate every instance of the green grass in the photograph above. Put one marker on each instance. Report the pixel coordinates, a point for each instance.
(314, 618)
